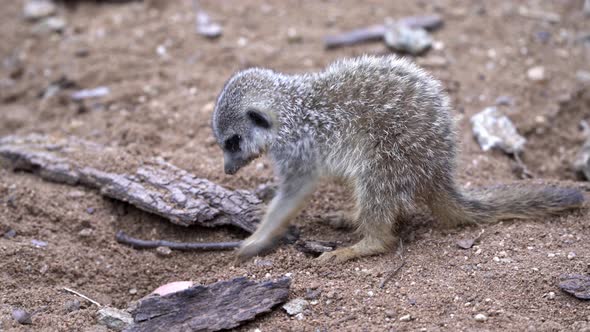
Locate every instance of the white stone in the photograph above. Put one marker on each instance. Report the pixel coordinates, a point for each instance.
(295, 306)
(36, 9)
(571, 255)
(114, 319)
(405, 318)
(495, 130)
(536, 74)
(480, 318)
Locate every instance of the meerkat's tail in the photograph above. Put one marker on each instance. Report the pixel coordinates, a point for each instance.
(504, 202)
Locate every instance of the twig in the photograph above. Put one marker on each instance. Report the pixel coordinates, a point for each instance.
(525, 171)
(123, 238)
(376, 32)
(400, 253)
(82, 296)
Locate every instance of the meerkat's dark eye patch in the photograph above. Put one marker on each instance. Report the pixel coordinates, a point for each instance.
(232, 144)
(258, 119)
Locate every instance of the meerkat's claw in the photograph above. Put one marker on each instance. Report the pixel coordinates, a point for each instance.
(252, 247)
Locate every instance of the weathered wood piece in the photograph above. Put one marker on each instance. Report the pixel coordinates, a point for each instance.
(315, 248)
(377, 32)
(154, 186)
(576, 285)
(218, 306)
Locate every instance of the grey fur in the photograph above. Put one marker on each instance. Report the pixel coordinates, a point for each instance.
(381, 124)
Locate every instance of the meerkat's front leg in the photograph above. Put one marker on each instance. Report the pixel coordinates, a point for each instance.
(289, 200)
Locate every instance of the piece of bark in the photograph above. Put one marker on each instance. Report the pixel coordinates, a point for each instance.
(218, 306)
(377, 32)
(577, 285)
(315, 248)
(154, 185)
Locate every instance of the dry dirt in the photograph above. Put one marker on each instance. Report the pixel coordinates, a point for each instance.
(160, 105)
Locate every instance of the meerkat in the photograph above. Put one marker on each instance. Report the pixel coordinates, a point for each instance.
(380, 124)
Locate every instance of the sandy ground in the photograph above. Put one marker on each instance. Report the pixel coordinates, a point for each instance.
(164, 79)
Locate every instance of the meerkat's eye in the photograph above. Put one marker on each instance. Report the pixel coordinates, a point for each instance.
(258, 119)
(232, 144)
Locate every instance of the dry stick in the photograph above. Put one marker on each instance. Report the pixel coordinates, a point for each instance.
(392, 273)
(123, 238)
(82, 296)
(376, 32)
(521, 164)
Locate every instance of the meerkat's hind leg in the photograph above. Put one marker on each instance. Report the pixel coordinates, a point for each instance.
(377, 238)
(341, 219)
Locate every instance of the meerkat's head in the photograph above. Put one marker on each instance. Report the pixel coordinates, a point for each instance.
(245, 120)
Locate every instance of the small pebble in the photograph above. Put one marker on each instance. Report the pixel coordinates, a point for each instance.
(114, 319)
(293, 36)
(405, 318)
(86, 232)
(571, 255)
(390, 313)
(583, 76)
(300, 316)
(163, 251)
(10, 234)
(22, 316)
(370, 293)
(133, 291)
(39, 243)
(90, 210)
(36, 9)
(537, 74)
(73, 305)
(551, 295)
(295, 306)
(480, 318)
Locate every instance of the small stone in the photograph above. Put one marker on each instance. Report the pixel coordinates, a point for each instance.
(406, 318)
(22, 316)
(114, 318)
(401, 38)
(164, 251)
(76, 194)
(370, 293)
(206, 27)
(550, 255)
(390, 313)
(295, 306)
(263, 262)
(293, 36)
(492, 129)
(480, 318)
(300, 316)
(39, 243)
(571, 255)
(312, 294)
(36, 9)
(504, 101)
(86, 232)
(90, 210)
(50, 24)
(536, 74)
(551, 295)
(73, 305)
(583, 76)
(10, 234)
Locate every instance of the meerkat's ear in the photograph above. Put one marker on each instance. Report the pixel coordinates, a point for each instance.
(259, 119)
